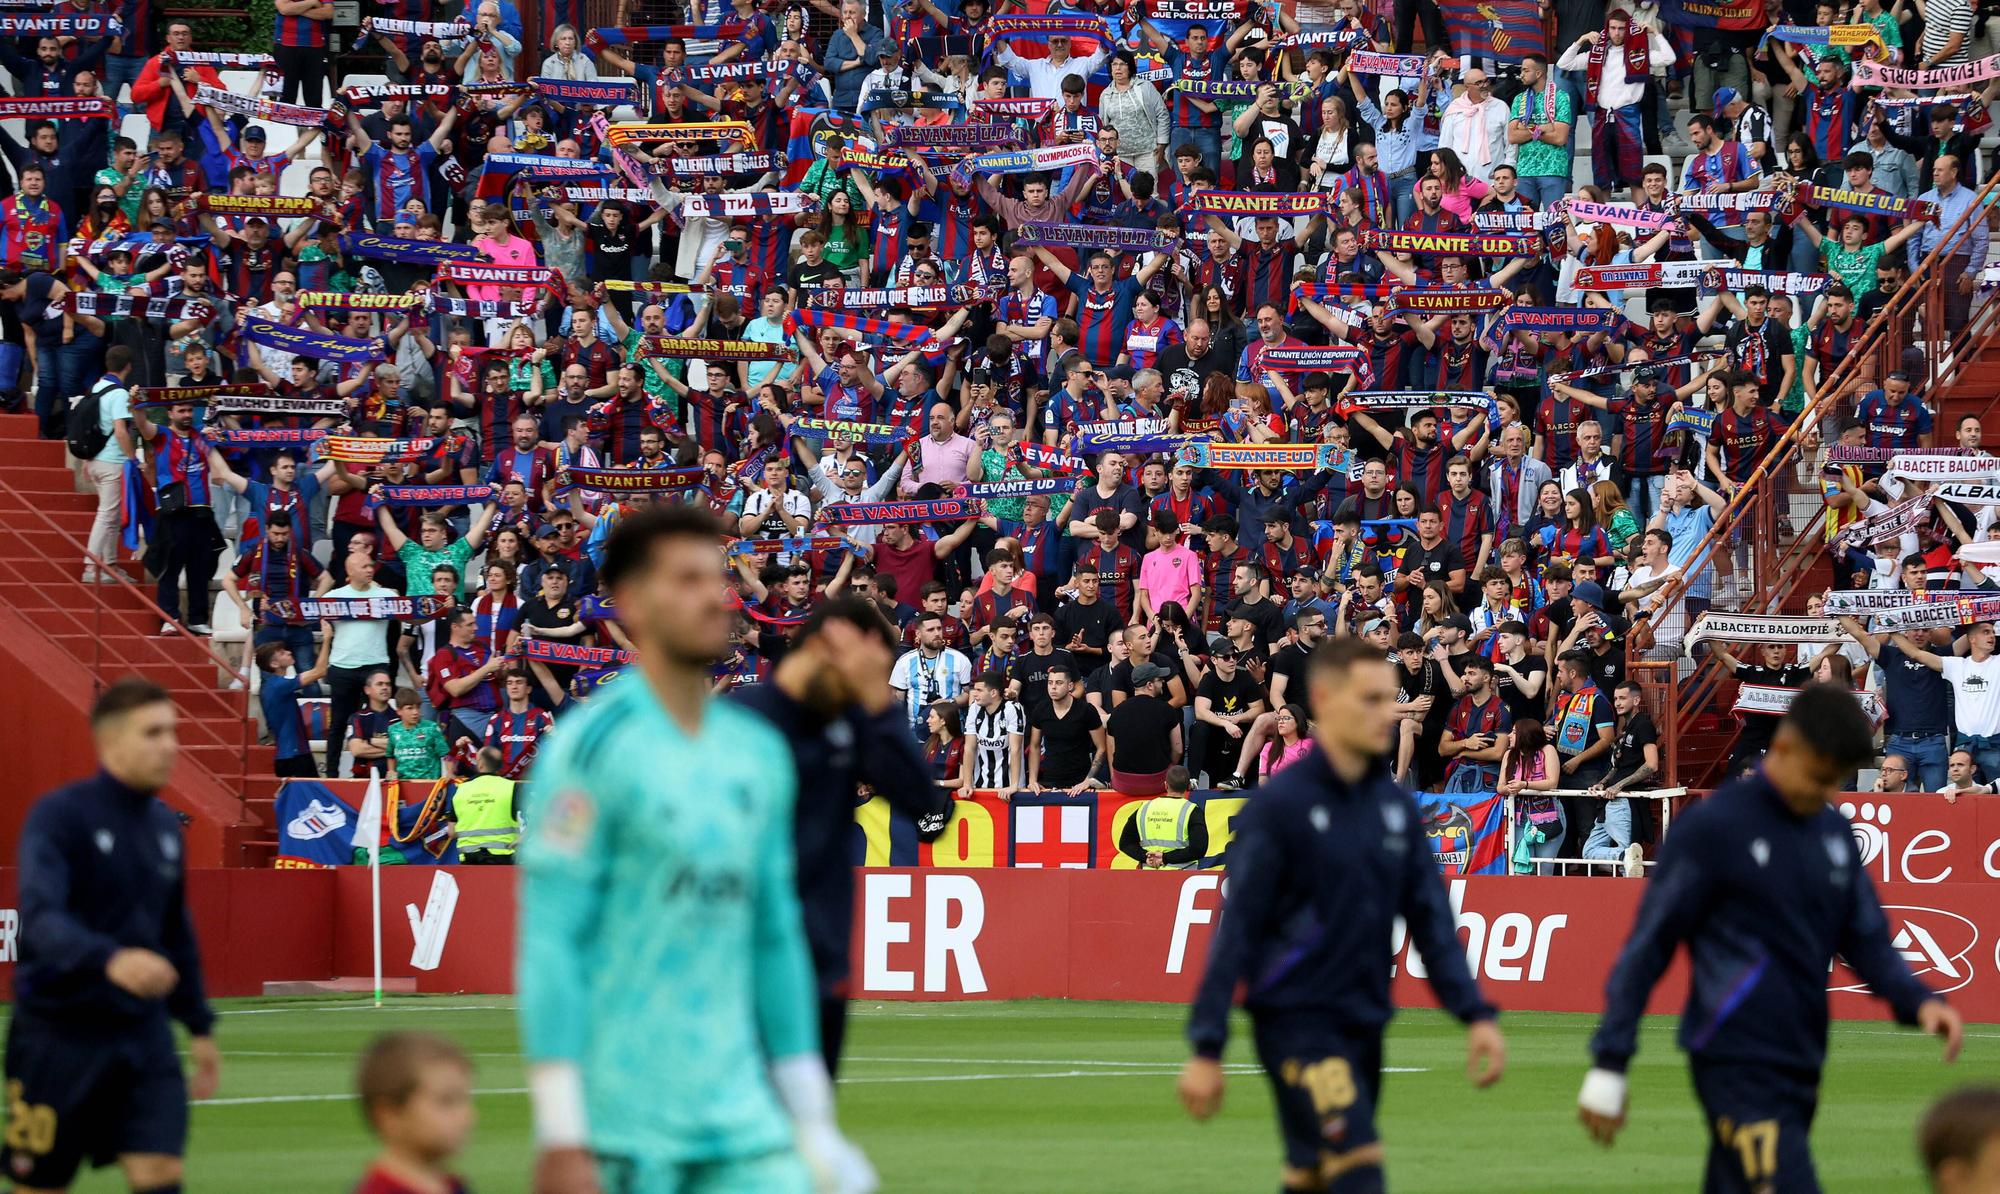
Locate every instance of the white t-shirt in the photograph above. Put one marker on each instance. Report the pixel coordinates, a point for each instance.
(1669, 624)
(357, 643)
(1975, 689)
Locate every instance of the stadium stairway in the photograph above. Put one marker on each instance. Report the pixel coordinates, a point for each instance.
(65, 640)
(1964, 379)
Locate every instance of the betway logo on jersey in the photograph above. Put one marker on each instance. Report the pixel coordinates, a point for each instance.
(1936, 944)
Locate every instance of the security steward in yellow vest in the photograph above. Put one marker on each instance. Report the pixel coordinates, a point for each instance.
(486, 812)
(1167, 832)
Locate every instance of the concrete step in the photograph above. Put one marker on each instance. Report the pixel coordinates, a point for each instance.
(341, 986)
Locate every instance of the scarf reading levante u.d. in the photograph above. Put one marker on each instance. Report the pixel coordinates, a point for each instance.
(1257, 203)
(1249, 457)
(806, 427)
(531, 277)
(1458, 244)
(632, 480)
(424, 496)
(733, 205)
(54, 107)
(623, 135)
(176, 395)
(369, 450)
(553, 650)
(608, 93)
(1094, 236)
(854, 514)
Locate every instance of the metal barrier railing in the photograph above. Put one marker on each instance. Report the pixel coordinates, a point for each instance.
(1914, 316)
(96, 660)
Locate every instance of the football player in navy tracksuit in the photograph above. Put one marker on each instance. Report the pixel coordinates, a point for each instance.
(830, 698)
(1762, 882)
(107, 962)
(1327, 855)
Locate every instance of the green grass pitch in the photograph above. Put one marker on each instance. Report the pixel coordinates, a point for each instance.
(1054, 1096)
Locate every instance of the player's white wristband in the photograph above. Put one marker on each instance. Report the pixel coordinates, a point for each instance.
(804, 1088)
(555, 1090)
(1603, 1093)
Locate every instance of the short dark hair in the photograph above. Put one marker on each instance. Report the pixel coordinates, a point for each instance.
(392, 1068)
(122, 696)
(1829, 722)
(117, 358)
(630, 546)
(1335, 657)
(858, 612)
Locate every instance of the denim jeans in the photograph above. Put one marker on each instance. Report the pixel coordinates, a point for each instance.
(1609, 837)
(120, 69)
(1555, 833)
(1985, 751)
(1469, 777)
(1402, 192)
(63, 371)
(1643, 495)
(1544, 189)
(1209, 141)
(1926, 757)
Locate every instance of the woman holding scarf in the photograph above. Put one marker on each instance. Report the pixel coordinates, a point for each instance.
(1133, 106)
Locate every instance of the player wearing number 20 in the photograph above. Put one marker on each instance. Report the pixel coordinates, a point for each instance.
(108, 962)
(1762, 882)
(1326, 856)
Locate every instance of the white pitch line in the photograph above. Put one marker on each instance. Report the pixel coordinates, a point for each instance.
(361, 1004)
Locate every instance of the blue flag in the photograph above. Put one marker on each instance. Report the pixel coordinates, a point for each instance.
(316, 826)
(1467, 831)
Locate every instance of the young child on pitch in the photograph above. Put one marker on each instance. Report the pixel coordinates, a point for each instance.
(416, 1094)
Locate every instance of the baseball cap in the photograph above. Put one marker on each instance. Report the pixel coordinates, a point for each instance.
(1590, 593)
(1146, 673)
(1219, 644)
(1724, 96)
(1460, 623)
(1646, 373)
(253, 132)
(1119, 373)
(547, 529)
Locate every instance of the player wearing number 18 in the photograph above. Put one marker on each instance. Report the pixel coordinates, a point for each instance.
(107, 962)
(1326, 856)
(1762, 882)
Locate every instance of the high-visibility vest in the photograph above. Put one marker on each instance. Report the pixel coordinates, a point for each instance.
(485, 808)
(1163, 826)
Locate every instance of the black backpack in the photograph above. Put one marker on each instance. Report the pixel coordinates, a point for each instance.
(83, 432)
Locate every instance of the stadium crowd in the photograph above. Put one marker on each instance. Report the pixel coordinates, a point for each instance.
(1119, 355)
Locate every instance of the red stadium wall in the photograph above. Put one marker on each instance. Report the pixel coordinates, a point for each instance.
(998, 932)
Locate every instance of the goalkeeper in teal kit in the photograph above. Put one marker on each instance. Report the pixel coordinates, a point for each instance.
(668, 1008)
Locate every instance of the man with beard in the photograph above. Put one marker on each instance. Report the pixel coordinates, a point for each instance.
(186, 543)
(1187, 365)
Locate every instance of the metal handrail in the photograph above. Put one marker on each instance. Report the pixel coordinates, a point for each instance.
(1783, 565)
(95, 663)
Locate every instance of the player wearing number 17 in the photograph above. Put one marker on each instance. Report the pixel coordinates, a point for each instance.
(668, 1010)
(1326, 856)
(1762, 882)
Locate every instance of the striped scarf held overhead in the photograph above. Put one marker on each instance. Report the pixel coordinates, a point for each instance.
(442, 30)
(902, 333)
(444, 304)
(723, 163)
(736, 205)
(254, 108)
(54, 107)
(370, 95)
(126, 306)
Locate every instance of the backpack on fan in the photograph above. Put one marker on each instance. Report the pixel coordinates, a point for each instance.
(84, 431)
